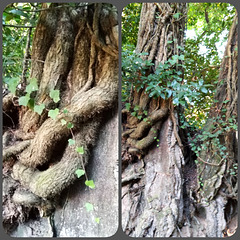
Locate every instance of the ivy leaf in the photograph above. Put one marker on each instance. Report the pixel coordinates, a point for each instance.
(24, 100)
(128, 105)
(65, 111)
(71, 142)
(70, 125)
(204, 90)
(90, 183)
(53, 113)
(79, 173)
(12, 84)
(136, 108)
(32, 86)
(63, 121)
(54, 94)
(80, 150)
(89, 207)
(97, 220)
(39, 108)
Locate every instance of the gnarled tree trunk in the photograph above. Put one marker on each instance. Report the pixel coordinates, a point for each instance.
(217, 191)
(152, 193)
(75, 51)
(164, 195)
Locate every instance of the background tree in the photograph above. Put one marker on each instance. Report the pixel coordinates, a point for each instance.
(158, 176)
(69, 99)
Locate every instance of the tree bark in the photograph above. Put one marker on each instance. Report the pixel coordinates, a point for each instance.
(218, 158)
(152, 193)
(164, 193)
(75, 51)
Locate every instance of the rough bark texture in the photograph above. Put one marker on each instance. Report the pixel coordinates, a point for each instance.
(152, 193)
(75, 51)
(71, 218)
(218, 194)
(160, 193)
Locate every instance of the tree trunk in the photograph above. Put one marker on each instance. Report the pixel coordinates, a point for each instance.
(163, 193)
(217, 174)
(152, 177)
(75, 51)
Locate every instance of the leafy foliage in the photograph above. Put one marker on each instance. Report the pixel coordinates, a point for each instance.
(200, 66)
(14, 38)
(130, 21)
(165, 82)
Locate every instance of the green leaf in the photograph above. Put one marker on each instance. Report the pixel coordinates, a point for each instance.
(32, 86)
(31, 103)
(128, 105)
(63, 121)
(19, 12)
(71, 142)
(65, 111)
(24, 100)
(89, 206)
(136, 108)
(90, 183)
(39, 108)
(181, 57)
(12, 84)
(97, 220)
(162, 95)
(80, 150)
(176, 101)
(53, 113)
(204, 90)
(169, 91)
(70, 125)
(176, 15)
(54, 94)
(79, 173)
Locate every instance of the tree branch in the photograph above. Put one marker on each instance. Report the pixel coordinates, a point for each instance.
(18, 26)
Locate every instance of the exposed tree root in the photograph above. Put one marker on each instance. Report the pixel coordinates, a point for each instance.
(15, 150)
(80, 60)
(52, 181)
